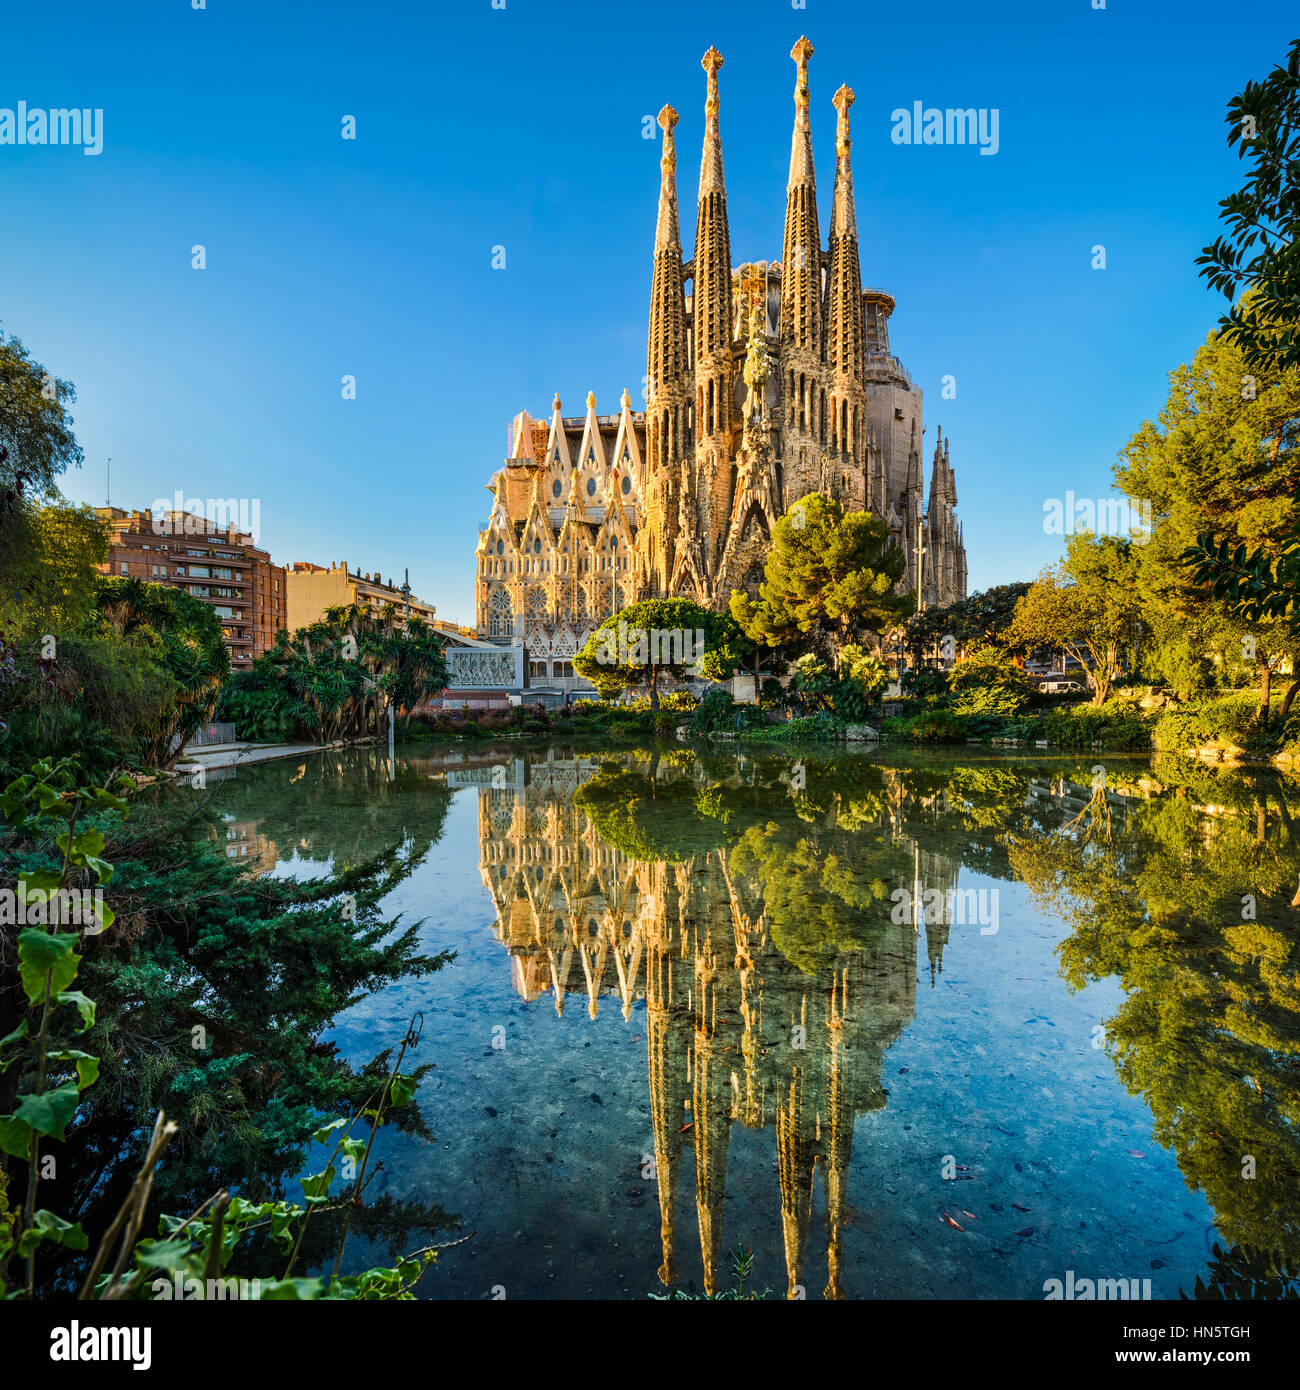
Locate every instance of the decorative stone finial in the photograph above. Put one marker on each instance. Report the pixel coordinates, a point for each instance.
(668, 162)
(842, 100)
(711, 63)
(555, 404)
(591, 400)
(801, 52)
(625, 401)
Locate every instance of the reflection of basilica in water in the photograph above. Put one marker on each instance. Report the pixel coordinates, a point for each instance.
(736, 1032)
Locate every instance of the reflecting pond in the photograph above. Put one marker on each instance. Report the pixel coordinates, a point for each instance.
(938, 1026)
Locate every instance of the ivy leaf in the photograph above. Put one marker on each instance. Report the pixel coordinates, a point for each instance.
(54, 1230)
(85, 1006)
(39, 954)
(316, 1188)
(16, 1036)
(43, 880)
(50, 1112)
(291, 1290)
(324, 1132)
(15, 1136)
(164, 1254)
(87, 1066)
(402, 1090)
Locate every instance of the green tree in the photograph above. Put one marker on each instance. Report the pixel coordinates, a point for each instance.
(829, 580)
(338, 677)
(673, 637)
(1259, 251)
(1088, 606)
(1222, 457)
(988, 681)
(36, 439)
(981, 620)
(183, 636)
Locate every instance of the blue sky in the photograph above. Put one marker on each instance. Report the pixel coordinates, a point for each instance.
(522, 127)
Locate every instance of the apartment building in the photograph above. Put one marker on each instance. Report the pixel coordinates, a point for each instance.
(312, 589)
(226, 569)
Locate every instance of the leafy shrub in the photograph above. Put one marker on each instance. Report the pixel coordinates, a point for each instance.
(1228, 720)
(988, 682)
(715, 711)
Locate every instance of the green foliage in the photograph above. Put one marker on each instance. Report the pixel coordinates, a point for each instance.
(828, 579)
(742, 1268)
(1088, 606)
(338, 677)
(1260, 252)
(932, 726)
(278, 992)
(851, 694)
(133, 675)
(36, 439)
(1232, 719)
(988, 682)
(633, 650)
(982, 620)
(48, 964)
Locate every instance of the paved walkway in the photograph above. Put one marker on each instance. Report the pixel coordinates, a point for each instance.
(216, 755)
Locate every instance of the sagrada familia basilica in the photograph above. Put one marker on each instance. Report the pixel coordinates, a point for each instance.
(764, 383)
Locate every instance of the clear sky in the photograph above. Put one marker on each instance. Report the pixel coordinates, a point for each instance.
(521, 127)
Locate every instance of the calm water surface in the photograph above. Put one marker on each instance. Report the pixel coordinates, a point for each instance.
(939, 1026)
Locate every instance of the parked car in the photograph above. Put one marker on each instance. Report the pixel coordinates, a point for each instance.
(1061, 687)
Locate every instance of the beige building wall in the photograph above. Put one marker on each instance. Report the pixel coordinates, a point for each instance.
(313, 589)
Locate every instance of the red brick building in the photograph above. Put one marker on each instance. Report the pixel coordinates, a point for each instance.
(225, 569)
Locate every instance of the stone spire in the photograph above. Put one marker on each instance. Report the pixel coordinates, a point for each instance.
(667, 387)
(802, 311)
(801, 279)
(844, 338)
(712, 302)
(711, 314)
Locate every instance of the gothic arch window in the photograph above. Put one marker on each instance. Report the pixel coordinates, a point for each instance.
(500, 618)
(753, 580)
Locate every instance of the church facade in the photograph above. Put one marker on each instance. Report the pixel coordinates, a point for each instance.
(764, 383)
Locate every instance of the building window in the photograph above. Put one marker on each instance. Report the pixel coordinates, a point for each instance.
(500, 617)
(562, 669)
(123, 567)
(591, 487)
(537, 669)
